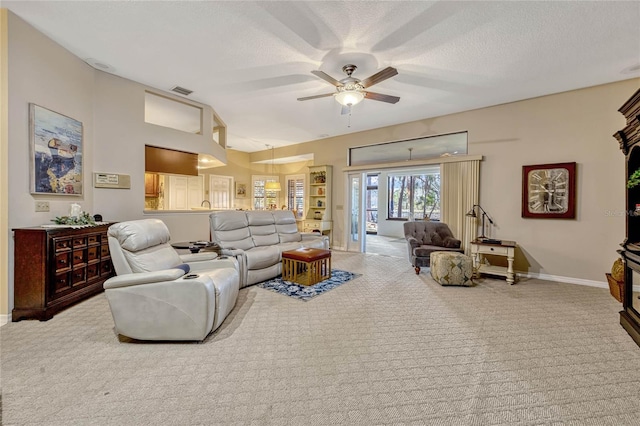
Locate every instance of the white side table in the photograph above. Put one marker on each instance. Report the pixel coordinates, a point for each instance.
(504, 248)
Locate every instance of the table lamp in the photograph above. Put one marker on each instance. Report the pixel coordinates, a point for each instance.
(472, 213)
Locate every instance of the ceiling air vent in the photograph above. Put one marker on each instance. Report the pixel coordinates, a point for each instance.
(181, 90)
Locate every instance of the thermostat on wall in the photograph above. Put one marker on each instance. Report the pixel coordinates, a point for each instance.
(111, 180)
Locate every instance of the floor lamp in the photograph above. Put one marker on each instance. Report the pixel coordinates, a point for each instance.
(472, 213)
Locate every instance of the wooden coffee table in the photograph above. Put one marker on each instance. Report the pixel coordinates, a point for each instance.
(306, 266)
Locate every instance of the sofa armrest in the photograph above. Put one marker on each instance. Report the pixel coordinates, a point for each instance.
(308, 236)
(128, 280)
(217, 263)
(413, 242)
(232, 251)
(198, 257)
(241, 256)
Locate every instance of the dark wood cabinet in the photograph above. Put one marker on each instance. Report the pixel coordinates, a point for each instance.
(629, 140)
(56, 267)
(151, 184)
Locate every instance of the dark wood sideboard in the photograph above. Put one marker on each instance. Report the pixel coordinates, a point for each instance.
(629, 140)
(57, 267)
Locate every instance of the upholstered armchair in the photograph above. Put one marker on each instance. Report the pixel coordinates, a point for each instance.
(160, 295)
(425, 237)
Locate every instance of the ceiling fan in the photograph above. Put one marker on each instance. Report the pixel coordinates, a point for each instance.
(351, 90)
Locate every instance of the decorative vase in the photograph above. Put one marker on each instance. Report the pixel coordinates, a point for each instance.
(617, 270)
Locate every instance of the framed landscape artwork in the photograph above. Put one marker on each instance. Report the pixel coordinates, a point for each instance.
(549, 191)
(56, 152)
(241, 190)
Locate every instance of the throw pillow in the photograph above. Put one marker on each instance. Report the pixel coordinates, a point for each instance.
(186, 268)
(436, 240)
(450, 242)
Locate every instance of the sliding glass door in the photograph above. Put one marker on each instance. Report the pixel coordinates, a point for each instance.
(357, 233)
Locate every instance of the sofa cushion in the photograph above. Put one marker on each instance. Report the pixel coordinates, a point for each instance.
(262, 228)
(230, 229)
(290, 238)
(145, 245)
(265, 240)
(262, 257)
(238, 238)
(140, 234)
(286, 226)
(436, 239)
(289, 246)
(260, 217)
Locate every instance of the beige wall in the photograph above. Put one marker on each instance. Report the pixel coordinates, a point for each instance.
(4, 166)
(114, 135)
(573, 126)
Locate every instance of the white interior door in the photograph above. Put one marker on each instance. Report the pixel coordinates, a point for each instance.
(195, 191)
(178, 192)
(220, 191)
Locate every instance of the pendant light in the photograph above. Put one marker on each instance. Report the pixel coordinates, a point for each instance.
(272, 186)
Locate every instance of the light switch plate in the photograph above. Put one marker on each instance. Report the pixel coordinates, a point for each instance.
(42, 206)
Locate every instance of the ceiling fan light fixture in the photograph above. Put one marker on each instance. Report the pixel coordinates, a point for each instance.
(349, 97)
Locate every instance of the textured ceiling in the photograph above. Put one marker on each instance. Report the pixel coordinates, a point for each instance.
(251, 60)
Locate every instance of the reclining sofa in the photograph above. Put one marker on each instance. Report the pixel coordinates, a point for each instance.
(258, 238)
(160, 295)
(425, 237)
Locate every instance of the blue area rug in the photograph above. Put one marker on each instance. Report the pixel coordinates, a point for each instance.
(304, 292)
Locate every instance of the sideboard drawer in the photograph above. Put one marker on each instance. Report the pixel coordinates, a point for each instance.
(63, 261)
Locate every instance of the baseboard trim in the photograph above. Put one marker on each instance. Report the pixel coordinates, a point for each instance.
(4, 319)
(568, 280)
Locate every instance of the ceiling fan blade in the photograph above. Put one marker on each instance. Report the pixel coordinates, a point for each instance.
(306, 98)
(380, 97)
(326, 77)
(386, 73)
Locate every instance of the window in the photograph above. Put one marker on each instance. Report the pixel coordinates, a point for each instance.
(411, 149)
(295, 194)
(262, 199)
(220, 191)
(415, 194)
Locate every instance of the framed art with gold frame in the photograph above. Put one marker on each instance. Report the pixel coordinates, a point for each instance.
(549, 191)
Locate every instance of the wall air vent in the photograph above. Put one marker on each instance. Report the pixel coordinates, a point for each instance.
(181, 90)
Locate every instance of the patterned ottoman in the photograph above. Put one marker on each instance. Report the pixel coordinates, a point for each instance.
(451, 268)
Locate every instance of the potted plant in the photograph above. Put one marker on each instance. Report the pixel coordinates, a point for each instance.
(634, 179)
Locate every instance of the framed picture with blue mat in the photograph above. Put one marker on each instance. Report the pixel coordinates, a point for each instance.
(305, 293)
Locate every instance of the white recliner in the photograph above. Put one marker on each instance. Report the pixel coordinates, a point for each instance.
(155, 295)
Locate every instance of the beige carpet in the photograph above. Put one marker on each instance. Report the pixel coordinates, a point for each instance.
(387, 348)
